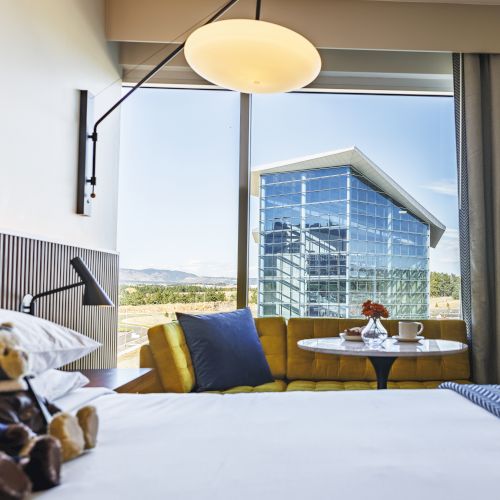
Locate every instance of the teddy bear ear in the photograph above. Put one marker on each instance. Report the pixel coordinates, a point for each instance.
(8, 336)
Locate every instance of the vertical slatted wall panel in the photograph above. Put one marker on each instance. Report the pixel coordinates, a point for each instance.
(31, 266)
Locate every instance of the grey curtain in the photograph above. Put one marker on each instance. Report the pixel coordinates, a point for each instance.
(477, 94)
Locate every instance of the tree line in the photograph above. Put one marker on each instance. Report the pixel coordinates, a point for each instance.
(441, 285)
(445, 285)
(139, 295)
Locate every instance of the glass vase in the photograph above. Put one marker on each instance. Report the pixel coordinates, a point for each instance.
(374, 333)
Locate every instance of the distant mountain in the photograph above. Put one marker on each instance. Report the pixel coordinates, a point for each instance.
(172, 277)
(154, 276)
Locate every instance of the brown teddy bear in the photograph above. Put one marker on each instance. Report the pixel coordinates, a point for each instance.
(32, 449)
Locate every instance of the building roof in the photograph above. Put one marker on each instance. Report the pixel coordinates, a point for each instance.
(363, 165)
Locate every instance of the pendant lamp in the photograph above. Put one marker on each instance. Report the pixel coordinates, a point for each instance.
(252, 56)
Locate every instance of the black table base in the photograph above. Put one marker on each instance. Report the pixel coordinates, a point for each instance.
(382, 366)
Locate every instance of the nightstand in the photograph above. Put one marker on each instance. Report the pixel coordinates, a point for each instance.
(132, 380)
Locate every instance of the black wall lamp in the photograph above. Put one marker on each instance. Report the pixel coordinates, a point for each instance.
(88, 135)
(93, 294)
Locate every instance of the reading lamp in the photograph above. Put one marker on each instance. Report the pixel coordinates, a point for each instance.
(93, 294)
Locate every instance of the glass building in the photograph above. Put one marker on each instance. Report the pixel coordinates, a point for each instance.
(334, 231)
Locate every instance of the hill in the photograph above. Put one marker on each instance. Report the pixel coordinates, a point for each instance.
(170, 277)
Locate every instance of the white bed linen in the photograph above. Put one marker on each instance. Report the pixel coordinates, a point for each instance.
(81, 397)
(352, 445)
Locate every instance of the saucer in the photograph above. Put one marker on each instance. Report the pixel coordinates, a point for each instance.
(404, 339)
(351, 338)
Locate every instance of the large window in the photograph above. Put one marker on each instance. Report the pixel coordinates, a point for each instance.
(178, 201)
(330, 230)
(353, 197)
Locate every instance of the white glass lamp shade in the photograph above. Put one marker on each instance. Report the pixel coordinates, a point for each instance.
(252, 56)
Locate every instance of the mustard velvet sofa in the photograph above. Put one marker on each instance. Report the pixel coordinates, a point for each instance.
(297, 370)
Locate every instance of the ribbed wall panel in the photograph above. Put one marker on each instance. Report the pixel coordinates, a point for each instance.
(32, 266)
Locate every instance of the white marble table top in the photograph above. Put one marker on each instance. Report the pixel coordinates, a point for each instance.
(390, 348)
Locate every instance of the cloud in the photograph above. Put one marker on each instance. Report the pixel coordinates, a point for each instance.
(446, 187)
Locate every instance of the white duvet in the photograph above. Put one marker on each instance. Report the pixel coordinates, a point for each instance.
(390, 445)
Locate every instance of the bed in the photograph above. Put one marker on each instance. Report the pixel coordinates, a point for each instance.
(411, 444)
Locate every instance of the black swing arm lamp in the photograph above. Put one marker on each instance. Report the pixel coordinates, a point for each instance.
(86, 184)
(93, 294)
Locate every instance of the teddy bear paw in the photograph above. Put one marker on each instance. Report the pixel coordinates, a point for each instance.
(14, 483)
(89, 423)
(44, 465)
(66, 429)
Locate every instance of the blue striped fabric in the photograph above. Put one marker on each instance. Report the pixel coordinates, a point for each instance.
(485, 396)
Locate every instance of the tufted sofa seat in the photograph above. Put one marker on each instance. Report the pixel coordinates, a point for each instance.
(297, 370)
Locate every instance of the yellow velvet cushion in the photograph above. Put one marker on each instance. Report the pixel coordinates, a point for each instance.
(272, 336)
(146, 359)
(276, 386)
(451, 367)
(329, 385)
(305, 365)
(171, 356)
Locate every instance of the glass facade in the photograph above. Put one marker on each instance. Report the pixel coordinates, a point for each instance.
(329, 240)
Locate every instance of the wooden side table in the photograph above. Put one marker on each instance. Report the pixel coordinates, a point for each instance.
(131, 380)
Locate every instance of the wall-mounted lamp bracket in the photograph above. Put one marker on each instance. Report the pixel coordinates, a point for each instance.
(85, 140)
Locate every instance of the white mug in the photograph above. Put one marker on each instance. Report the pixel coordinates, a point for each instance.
(410, 329)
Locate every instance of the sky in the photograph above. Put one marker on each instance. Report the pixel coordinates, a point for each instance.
(178, 192)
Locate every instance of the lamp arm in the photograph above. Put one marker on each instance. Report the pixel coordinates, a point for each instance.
(168, 58)
(28, 304)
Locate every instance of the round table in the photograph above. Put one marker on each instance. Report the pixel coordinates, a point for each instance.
(383, 357)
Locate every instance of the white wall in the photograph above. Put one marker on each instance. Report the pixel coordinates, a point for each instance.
(48, 50)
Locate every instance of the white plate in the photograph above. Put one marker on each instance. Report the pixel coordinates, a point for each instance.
(351, 338)
(403, 339)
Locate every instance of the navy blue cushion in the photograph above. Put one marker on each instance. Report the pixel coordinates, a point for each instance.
(225, 350)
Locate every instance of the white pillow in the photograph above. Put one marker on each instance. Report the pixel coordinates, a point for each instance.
(54, 384)
(48, 345)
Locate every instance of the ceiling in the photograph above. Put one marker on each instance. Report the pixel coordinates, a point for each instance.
(382, 45)
(338, 24)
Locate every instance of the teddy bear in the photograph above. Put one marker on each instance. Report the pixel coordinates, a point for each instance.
(32, 449)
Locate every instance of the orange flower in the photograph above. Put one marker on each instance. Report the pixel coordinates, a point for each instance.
(374, 310)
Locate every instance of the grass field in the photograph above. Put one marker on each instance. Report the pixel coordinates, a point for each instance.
(134, 321)
(444, 308)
